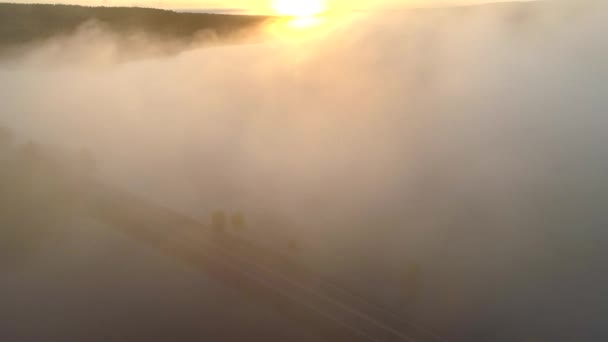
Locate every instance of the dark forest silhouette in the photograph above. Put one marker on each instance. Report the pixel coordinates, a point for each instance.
(24, 24)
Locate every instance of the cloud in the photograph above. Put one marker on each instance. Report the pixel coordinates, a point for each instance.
(467, 141)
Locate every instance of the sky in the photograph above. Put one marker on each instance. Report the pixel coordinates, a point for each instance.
(253, 6)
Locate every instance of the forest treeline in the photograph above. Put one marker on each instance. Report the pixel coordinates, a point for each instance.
(21, 24)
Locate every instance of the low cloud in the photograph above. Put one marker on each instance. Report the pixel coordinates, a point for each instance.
(467, 142)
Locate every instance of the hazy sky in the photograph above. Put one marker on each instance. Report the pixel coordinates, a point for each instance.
(250, 5)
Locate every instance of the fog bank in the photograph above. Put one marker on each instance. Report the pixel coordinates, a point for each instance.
(449, 162)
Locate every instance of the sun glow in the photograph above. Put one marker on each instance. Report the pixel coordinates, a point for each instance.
(299, 8)
(304, 22)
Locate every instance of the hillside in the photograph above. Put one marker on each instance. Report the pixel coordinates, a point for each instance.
(22, 24)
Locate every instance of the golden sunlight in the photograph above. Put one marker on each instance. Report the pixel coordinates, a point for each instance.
(301, 23)
(299, 8)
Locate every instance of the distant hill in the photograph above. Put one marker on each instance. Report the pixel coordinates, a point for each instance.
(22, 24)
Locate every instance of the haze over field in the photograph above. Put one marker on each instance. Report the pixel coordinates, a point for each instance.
(449, 162)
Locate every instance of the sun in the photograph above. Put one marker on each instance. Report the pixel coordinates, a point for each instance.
(299, 8)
